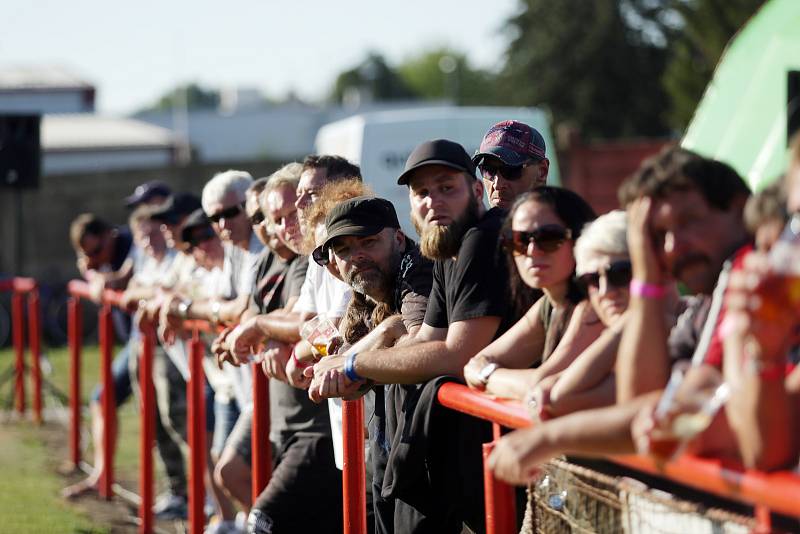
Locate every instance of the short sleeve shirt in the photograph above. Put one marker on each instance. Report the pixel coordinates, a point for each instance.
(413, 286)
(323, 293)
(474, 284)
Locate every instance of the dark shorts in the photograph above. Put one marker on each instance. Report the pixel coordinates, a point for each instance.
(304, 493)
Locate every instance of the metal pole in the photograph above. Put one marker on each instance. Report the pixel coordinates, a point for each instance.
(354, 483)
(108, 404)
(197, 436)
(147, 435)
(75, 338)
(34, 341)
(262, 461)
(499, 500)
(18, 334)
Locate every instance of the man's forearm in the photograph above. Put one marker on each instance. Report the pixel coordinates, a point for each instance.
(643, 361)
(280, 326)
(411, 364)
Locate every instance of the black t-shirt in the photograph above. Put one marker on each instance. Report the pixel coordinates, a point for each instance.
(475, 283)
(291, 410)
(413, 286)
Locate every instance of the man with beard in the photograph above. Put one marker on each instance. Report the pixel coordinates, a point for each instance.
(684, 221)
(467, 309)
(511, 160)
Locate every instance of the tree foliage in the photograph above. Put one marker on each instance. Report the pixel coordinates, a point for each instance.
(372, 79)
(196, 97)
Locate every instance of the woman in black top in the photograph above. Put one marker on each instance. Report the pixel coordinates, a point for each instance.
(538, 236)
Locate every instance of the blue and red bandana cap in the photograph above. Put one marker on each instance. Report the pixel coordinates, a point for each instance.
(513, 142)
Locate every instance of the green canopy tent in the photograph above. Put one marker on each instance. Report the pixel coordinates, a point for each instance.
(742, 117)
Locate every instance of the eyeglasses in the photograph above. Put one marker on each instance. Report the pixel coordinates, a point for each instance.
(198, 236)
(618, 275)
(320, 256)
(509, 172)
(227, 213)
(547, 238)
(256, 218)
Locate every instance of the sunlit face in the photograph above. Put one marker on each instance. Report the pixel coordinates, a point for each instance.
(537, 268)
(501, 191)
(444, 205)
(253, 211)
(693, 239)
(608, 297)
(311, 182)
(147, 236)
(234, 228)
(282, 212)
(369, 263)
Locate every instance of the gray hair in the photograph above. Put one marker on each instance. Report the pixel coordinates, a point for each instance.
(223, 183)
(286, 176)
(605, 235)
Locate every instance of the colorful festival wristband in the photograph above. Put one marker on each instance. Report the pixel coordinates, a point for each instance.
(646, 290)
(350, 368)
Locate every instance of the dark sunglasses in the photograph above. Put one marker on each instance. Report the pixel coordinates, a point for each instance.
(548, 238)
(320, 256)
(201, 235)
(618, 275)
(256, 218)
(227, 213)
(509, 172)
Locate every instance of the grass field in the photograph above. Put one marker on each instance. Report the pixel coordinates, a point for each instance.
(29, 493)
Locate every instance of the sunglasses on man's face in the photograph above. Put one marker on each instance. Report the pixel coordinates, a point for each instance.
(199, 236)
(227, 213)
(256, 218)
(548, 238)
(512, 173)
(320, 256)
(618, 275)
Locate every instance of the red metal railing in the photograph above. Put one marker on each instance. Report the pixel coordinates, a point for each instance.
(196, 420)
(19, 288)
(778, 492)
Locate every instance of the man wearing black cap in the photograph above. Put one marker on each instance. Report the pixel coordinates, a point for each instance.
(467, 309)
(153, 192)
(511, 160)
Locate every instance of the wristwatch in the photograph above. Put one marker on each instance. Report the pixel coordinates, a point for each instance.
(183, 308)
(487, 371)
(215, 308)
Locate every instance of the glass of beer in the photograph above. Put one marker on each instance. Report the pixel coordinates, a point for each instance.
(686, 408)
(320, 332)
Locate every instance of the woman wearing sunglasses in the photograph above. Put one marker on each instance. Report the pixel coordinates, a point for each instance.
(538, 237)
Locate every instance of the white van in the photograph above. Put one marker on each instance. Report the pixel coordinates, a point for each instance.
(380, 142)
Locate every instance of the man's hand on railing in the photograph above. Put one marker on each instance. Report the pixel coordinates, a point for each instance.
(245, 339)
(329, 380)
(276, 355)
(222, 350)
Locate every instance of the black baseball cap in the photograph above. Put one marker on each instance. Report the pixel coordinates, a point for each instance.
(437, 152)
(359, 216)
(197, 219)
(176, 207)
(144, 192)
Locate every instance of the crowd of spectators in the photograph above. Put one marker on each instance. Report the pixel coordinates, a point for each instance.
(666, 327)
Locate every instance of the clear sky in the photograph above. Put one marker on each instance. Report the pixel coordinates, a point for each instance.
(135, 51)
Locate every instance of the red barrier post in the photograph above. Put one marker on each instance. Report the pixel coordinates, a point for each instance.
(147, 435)
(75, 338)
(197, 435)
(262, 454)
(501, 517)
(34, 341)
(18, 335)
(354, 483)
(108, 405)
